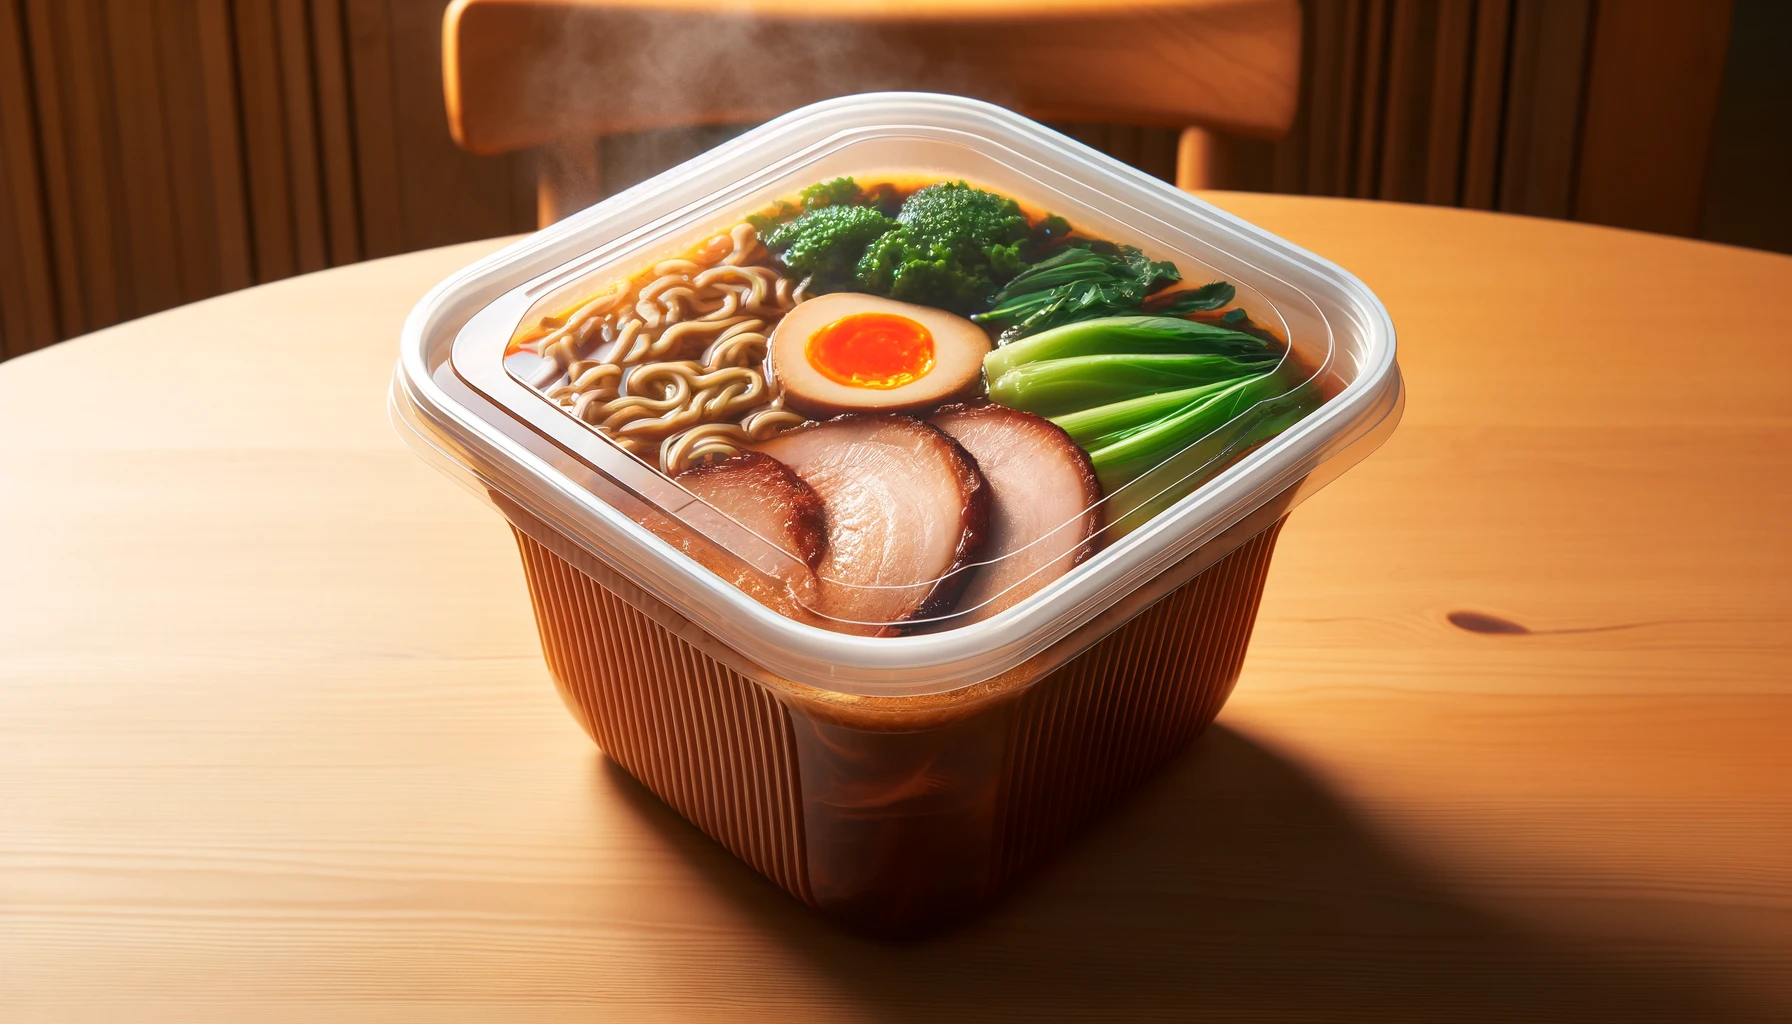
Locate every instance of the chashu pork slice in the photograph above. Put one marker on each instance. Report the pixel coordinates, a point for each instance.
(1045, 504)
(905, 509)
(762, 495)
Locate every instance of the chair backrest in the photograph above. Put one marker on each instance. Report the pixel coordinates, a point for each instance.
(525, 73)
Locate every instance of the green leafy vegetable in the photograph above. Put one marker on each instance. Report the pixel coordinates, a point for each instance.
(839, 192)
(1150, 436)
(1123, 334)
(1204, 299)
(1081, 281)
(1150, 395)
(1052, 387)
(951, 246)
(822, 194)
(827, 242)
(1154, 481)
(1102, 425)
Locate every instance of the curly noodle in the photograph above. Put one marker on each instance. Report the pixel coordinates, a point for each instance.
(670, 365)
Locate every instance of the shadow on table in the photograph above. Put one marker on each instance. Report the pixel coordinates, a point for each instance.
(1234, 885)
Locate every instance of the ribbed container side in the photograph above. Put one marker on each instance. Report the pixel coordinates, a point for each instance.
(1104, 723)
(723, 751)
(713, 744)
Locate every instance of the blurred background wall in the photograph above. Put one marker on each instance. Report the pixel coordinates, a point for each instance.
(161, 151)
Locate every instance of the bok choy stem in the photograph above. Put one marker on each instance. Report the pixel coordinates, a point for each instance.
(1143, 335)
(1054, 387)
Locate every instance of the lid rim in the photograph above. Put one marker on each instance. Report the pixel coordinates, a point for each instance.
(936, 662)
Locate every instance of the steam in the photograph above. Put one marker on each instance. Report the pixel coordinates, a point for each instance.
(617, 69)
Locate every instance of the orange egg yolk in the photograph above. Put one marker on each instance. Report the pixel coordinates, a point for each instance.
(872, 350)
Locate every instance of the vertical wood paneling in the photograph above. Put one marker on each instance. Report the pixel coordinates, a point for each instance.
(444, 193)
(142, 134)
(1656, 71)
(1600, 110)
(264, 140)
(1449, 89)
(1548, 78)
(159, 151)
(1371, 105)
(335, 134)
(1407, 129)
(292, 30)
(175, 27)
(224, 145)
(76, 61)
(1350, 86)
(52, 153)
(27, 296)
(1323, 100)
(1745, 198)
(1486, 104)
(375, 110)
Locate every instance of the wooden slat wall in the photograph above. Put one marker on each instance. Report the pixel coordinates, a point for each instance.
(161, 151)
(1652, 101)
(27, 289)
(1595, 109)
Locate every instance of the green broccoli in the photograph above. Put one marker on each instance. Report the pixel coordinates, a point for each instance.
(839, 192)
(953, 245)
(826, 243)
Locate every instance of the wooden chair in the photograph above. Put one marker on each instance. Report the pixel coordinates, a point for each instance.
(558, 75)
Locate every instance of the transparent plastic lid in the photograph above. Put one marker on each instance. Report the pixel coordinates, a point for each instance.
(897, 388)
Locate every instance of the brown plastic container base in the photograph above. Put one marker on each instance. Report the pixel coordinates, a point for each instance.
(893, 815)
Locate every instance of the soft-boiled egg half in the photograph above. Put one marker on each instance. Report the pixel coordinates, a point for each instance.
(848, 352)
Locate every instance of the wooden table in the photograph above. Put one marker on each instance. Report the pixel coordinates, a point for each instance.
(277, 743)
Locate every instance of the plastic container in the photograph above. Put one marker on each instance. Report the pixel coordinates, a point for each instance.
(892, 782)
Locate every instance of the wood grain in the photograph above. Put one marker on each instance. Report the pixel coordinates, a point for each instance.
(523, 74)
(1545, 92)
(1449, 89)
(69, 37)
(27, 291)
(369, 35)
(276, 741)
(151, 271)
(264, 114)
(224, 145)
(434, 175)
(1486, 103)
(336, 137)
(191, 202)
(1654, 75)
(48, 107)
(298, 91)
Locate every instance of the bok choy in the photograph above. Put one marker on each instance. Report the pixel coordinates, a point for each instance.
(1151, 395)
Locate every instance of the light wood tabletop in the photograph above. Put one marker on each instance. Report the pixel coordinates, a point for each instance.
(1514, 738)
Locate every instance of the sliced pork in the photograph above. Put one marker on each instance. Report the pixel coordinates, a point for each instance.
(759, 493)
(905, 508)
(1045, 504)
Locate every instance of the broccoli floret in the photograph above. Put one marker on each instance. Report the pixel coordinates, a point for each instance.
(893, 268)
(839, 192)
(827, 242)
(952, 247)
(961, 217)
